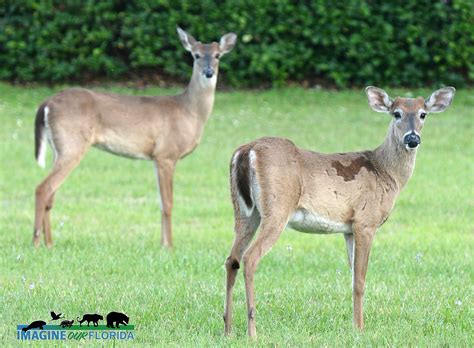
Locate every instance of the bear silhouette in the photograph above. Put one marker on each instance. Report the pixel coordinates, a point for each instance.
(38, 324)
(90, 317)
(117, 318)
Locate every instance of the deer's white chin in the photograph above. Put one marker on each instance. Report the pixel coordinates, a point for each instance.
(410, 149)
(208, 81)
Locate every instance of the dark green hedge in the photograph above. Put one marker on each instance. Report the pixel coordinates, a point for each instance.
(344, 43)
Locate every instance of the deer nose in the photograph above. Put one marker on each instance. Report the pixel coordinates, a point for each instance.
(208, 72)
(412, 140)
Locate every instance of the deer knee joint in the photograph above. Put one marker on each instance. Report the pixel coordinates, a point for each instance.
(251, 313)
(39, 190)
(359, 289)
(49, 206)
(249, 264)
(166, 209)
(232, 263)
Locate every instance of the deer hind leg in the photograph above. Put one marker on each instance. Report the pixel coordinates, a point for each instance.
(45, 191)
(245, 227)
(363, 238)
(48, 239)
(270, 230)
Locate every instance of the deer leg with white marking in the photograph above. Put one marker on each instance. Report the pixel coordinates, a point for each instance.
(165, 181)
(245, 228)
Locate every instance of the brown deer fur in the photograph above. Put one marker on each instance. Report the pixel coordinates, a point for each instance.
(275, 184)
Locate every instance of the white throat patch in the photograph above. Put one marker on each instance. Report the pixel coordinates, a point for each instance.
(206, 82)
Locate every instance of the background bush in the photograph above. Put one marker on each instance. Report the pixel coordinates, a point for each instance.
(343, 43)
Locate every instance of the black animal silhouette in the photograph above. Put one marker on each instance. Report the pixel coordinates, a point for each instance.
(55, 316)
(66, 323)
(38, 324)
(90, 317)
(117, 318)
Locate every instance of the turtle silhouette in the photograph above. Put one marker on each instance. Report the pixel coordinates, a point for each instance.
(38, 324)
(66, 323)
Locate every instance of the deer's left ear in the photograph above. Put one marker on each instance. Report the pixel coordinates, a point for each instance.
(439, 100)
(378, 99)
(186, 39)
(227, 42)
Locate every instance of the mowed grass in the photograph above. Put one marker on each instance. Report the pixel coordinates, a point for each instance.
(106, 229)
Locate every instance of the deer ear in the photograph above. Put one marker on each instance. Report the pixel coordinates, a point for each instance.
(378, 99)
(227, 42)
(186, 39)
(439, 100)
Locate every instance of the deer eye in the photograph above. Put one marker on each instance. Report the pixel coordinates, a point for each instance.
(217, 56)
(197, 56)
(397, 115)
(423, 115)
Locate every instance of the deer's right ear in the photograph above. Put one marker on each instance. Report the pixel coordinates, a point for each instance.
(186, 39)
(227, 42)
(378, 99)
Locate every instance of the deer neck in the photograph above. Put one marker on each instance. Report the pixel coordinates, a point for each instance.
(199, 95)
(394, 158)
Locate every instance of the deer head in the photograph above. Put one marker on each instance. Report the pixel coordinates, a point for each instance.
(409, 114)
(206, 56)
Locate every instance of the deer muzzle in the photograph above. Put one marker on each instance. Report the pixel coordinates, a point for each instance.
(208, 72)
(412, 140)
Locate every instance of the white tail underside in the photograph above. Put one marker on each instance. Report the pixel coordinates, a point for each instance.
(42, 148)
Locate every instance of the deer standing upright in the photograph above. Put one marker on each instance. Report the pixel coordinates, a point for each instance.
(276, 184)
(163, 129)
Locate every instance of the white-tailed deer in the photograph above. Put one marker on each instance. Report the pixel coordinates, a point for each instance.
(275, 184)
(163, 129)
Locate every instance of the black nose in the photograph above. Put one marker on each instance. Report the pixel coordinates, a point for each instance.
(412, 140)
(209, 72)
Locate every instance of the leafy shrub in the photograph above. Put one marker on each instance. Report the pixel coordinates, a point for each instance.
(344, 43)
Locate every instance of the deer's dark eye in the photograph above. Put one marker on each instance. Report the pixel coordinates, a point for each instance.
(397, 115)
(217, 56)
(423, 115)
(197, 56)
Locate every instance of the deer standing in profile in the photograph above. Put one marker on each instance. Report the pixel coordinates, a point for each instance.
(162, 129)
(275, 184)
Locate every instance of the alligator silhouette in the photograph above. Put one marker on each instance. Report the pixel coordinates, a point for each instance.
(90, 317)
(117, 318)
(38, 324)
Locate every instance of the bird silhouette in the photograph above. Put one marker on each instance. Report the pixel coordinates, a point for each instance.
(55, 316)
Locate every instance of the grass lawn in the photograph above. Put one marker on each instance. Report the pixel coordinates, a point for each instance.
(106, 229)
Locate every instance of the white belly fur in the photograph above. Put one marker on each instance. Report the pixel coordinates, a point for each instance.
(309, 222)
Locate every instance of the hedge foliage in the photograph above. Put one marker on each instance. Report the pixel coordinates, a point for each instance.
(344, 43)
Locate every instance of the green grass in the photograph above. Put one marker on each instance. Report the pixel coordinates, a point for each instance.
(106, 229)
